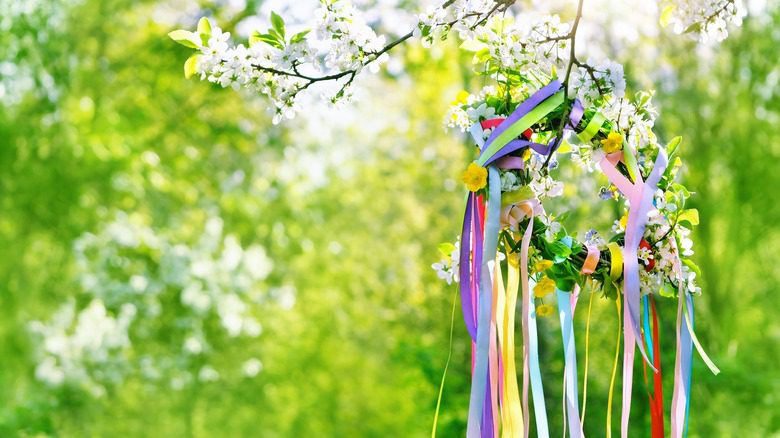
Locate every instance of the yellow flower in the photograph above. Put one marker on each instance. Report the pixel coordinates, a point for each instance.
(460, 98)
(544, 310)
(613, 142)
(624, 221)
(527, 154)
(542, 265)
(475, 177)
(544, 287)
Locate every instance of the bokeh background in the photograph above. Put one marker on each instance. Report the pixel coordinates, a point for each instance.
(174, 265)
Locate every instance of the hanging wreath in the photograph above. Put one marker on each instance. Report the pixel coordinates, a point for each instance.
(646, 259)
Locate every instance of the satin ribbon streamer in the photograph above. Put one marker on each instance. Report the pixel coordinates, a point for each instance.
(571, 397)
(640, 198)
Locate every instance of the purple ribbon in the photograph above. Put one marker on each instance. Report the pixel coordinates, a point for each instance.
(523, 109)
(465, 266)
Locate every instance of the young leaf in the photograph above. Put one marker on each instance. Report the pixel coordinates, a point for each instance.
(692, 266)
(189, 66)
(298, 37)
(266, 38)
(204, 27)
(277, 36)
(671, 148)
(695, 27)
(185, 38)
(690, 215)
(278, 23)
(666, 15)
(446, 249)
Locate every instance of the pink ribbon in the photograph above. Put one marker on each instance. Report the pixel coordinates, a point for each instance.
(592, 259)
(511, 215)
(640, 198)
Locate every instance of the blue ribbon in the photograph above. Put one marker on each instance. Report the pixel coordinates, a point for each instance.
(537, 391)
(485, 305)
(646, 323)
(570, 361)
(687, 346)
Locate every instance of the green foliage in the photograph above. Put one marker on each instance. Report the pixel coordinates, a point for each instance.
(361, 351)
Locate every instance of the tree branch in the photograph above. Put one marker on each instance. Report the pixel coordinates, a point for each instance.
(572, 36)
(500, 6)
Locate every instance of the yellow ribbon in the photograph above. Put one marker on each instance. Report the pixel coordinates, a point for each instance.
(616, 253)
(614, 369)
(511, 408)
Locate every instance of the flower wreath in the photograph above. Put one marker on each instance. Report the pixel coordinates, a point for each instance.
(646, 259)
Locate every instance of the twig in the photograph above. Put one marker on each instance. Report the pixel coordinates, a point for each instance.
(572, 36)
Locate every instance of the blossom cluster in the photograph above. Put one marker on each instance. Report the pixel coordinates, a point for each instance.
(339, 43)
(460, 16)
(280, 65)
(706, 19)
(141, 286)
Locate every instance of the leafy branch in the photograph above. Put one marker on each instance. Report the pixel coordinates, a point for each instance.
(500, 6)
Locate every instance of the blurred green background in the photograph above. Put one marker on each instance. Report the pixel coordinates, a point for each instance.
(275, 280)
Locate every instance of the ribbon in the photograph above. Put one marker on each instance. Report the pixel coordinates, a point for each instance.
(654, 393)
(614, 371)
(688, 377)
(616, 261)
(587, 349)
(640, 197)
(570, 363)
(525, 115)
(481, 308)
(467, 273)
(592, 128)
(484, 310)
(686, 339)
(531, 355)
(591, 260)
(646, 326)
(511, 408)
(511, 216)
(658, 396)
(490, 420)
(446, 367)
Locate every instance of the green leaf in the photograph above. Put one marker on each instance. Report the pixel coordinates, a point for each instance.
(666, 15)
(681, 189)
(560, 250)
(667, 290)
(185, 38)
(692, 266)
(266, 38)
(204, 26)
(690, 215)
(278, 24)
(671, 147)
(521, 194)
(446, 249)
(565, 284)
(608, 287)
(276, 35)
(298, 37)
(482, 56)
(695, 27)
(189, 66)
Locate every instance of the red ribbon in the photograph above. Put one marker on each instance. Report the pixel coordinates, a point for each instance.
(656, 397)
